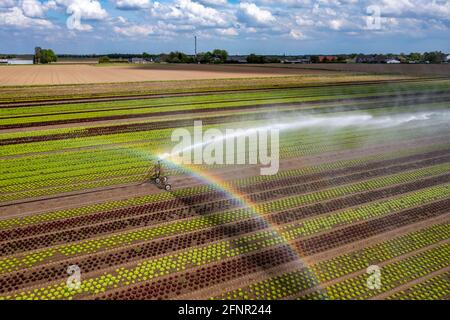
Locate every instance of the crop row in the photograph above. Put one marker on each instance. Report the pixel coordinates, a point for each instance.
(192, 204)
(160, 263)
(83, 156)
(42, 114)
(93, 245)
(294, 282)
(170, 285)
(114, 92)
(206, 276)
(151, 136)
(259, 114)
(310, 137)
(147, 103)
(307, 173)
(127, 154)
(222, 97)
(392, 275)
(54, 163)
(370, 211)
(116, 180)
(435, 288)
(166, 265)
(369, 228)
(207, 254)
(291, 209)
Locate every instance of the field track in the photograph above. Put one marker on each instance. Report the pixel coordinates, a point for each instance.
(347, 196)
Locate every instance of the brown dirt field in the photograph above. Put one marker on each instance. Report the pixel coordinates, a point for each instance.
(405, 69)
(83, 73)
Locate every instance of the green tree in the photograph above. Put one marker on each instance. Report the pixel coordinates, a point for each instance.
(315, 59)
(253, 58)
(415, 56)
(433, 57)
(48, 56)
(205, 57)
(220, 55)
(178, 57)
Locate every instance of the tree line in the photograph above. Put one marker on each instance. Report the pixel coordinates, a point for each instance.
(216, 56)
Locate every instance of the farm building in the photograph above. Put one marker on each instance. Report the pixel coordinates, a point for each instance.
(15, 61)
(297, 61)
(327, 58)
(139, 61)
(393, 61)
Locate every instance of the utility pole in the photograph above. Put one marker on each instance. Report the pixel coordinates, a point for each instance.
(195, 50)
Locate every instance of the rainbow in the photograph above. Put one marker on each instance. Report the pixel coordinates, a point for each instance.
(227, 189)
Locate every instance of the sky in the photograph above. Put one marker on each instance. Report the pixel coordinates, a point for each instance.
(239, 26)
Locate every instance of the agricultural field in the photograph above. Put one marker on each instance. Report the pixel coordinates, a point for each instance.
(362, 190)
(60, 74)
(405, 69)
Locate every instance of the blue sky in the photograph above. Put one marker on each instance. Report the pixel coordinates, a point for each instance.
(241, 27)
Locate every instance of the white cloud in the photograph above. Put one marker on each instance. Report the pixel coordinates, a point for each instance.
(252, 14)
(122, 20)
(79, 10)
(229, 32)
(7, 3)
(336, 24)
(14, 17)
(297, 34)
(33, 8)
(189, 12)
(133, 4)
(87, 9)
(419, 8)
(253, 20)
(135, 30)
(214, 3)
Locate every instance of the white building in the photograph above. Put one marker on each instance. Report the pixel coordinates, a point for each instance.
(140, 61)
(448, 58)
(19, 61)
(393, 61)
